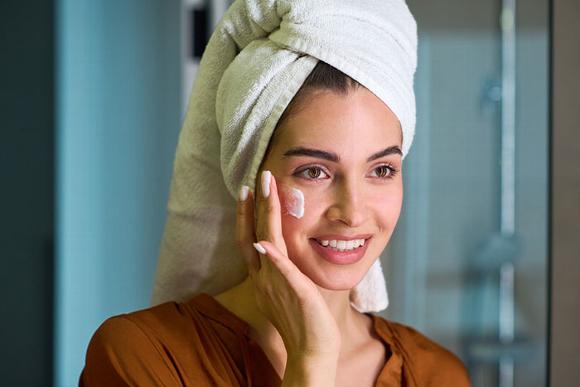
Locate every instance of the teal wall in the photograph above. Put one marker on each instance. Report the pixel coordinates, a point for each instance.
(118, 77)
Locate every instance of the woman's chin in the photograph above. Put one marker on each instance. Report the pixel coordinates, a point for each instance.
(336, 281)
(331, 276)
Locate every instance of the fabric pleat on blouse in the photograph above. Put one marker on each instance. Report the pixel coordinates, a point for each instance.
(201, 343)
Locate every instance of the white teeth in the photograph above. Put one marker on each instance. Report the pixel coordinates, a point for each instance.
(342, 245)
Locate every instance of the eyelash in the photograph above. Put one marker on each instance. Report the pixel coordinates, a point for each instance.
(393, 172)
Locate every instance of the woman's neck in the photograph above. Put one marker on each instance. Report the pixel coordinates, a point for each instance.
(354, 327)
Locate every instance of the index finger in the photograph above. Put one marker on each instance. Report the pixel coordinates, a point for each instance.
(269, 218)
(245, 229)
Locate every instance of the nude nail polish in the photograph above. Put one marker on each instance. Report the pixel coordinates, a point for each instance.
(266, 177)
(244, 190)
(260, 248)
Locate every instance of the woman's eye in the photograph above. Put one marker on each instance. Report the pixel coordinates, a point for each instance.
(385, 172)
(311, 173)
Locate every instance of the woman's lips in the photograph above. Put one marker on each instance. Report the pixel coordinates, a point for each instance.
(340, 257)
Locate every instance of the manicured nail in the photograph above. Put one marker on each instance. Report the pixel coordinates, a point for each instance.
(244, 190)
(260, 248)
(266, 177)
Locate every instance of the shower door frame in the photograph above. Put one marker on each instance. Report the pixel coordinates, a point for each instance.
(564, 245)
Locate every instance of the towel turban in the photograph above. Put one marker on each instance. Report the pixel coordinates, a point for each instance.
(254, 64)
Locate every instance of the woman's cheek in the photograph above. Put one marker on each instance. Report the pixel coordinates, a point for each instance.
(292, 202)
(293, 206)
(292, 209)
(388, 206)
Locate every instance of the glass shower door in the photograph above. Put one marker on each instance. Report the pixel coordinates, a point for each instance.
(467, 264)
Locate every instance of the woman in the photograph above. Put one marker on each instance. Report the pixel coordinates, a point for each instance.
(328, 194)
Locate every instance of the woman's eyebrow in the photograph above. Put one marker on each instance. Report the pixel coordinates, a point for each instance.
(310, 152)
(385, 152)
(320, 154)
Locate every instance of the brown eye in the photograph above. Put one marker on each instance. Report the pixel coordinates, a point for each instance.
(383, 171)
(313, 173)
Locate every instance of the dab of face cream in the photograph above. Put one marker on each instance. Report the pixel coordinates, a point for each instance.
(294, 204)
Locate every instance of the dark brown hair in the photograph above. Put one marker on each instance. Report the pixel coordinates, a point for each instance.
(322, 77)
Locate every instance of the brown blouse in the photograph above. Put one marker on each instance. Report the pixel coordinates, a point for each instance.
(201, 343)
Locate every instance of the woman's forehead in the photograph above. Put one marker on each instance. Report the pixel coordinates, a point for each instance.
(341, 126)
(358, 115)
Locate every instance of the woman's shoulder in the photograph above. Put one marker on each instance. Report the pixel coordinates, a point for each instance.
(166, 318)
(163, 343)
(124, 345)
(170, 322)
(153, 323)
(428, 361)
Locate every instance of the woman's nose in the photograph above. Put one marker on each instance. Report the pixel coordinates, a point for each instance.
(348, 204)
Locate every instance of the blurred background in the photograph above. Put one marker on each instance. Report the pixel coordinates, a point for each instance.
(92, 98)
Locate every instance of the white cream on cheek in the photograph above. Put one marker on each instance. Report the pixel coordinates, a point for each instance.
(294, 203)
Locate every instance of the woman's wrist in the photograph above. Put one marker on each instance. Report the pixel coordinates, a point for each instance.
(310, 370)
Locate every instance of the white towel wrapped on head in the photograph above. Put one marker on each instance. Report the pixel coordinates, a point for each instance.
(254, 64)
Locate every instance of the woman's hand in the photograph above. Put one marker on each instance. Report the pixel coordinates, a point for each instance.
(287, 297)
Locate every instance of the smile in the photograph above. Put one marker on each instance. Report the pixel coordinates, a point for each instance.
(341, 245)
(340, 252)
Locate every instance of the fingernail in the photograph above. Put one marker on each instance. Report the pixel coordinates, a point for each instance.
(266, 177)
(244, 192)
(260, 248)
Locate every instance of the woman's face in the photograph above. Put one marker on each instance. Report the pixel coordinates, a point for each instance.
(343, 153)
